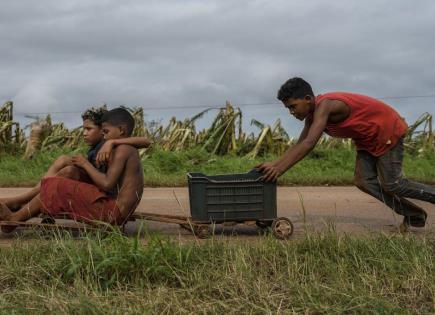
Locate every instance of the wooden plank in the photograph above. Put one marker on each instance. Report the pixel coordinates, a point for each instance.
(47, 225)
(142, 215)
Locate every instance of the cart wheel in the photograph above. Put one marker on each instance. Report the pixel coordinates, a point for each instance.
(202, 231)
(187, 227)
(282, 228)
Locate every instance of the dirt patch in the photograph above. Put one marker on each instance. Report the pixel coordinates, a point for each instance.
(346, 209)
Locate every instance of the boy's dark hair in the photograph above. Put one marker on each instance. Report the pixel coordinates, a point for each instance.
(120, 116)
(294, 88)
(95, 114)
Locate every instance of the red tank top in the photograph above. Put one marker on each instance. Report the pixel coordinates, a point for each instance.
(372, 125)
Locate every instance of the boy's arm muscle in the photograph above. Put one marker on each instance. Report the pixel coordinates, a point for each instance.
(302, 137)
(103, 154)
(304, 131)
(301, 149)
(107, 181)
(137, 142)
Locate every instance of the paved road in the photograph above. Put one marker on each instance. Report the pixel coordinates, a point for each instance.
(346, 208)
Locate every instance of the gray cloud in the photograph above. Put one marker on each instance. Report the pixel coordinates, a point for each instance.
(63, 56)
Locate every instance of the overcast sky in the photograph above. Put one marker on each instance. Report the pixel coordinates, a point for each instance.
(66, 55)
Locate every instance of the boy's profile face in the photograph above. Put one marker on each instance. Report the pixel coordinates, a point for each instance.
(300, 108)
(91, 132)
(112, 132)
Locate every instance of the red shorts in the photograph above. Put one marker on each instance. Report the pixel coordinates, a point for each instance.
(81, 201)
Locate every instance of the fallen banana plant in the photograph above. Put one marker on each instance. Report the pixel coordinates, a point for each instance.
(225, 135)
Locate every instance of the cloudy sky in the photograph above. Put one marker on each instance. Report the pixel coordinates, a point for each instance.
(62, 56)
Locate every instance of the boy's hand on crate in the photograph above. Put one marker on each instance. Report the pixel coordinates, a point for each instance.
(270, 170)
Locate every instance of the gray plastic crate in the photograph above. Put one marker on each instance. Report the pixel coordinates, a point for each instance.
(234, 197)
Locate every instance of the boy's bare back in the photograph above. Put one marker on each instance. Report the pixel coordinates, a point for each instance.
(130, 183)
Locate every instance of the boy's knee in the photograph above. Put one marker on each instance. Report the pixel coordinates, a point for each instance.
(393, 187)
(69, 172)
(62, 161)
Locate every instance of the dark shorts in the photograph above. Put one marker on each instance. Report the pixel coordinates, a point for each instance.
(81, 201)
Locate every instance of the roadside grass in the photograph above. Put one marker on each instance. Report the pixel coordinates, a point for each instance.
(163, 168)
(319, 273)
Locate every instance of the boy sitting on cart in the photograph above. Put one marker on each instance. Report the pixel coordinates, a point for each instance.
(111, 198)
(98, 154)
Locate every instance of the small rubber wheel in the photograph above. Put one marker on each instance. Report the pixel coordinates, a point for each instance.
(202, 231)
(187, 227)
(282, 228)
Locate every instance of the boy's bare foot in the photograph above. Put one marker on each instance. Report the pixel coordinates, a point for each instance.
(5, 215)
(5, 212)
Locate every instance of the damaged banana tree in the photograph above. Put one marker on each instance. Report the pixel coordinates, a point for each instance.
(221, 138)
(11, 135)
(273, 140)
(420, 135)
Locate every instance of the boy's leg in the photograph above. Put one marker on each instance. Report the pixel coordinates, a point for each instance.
(14, 203)
(366, 179)
(33, 208)
(390, 174)
(56, 169)
(30, 210)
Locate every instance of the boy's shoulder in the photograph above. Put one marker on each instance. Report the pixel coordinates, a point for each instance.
(125, 150)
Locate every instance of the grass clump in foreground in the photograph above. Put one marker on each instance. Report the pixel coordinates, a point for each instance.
(317, 274)
(167, 168)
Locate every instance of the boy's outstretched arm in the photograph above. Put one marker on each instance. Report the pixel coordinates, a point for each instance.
(106, 181)
(302, 136)
(272, 170)
(103, 154)
(304, 132)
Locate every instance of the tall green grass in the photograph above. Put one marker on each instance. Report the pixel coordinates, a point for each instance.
(164, 168)
(316, 274)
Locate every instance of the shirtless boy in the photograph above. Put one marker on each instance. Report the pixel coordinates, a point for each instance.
(111, 198)
(377, 131)
(98, 154)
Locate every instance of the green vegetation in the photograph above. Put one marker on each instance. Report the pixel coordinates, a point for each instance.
(168, 168)
(221, 149)
(315, 274)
